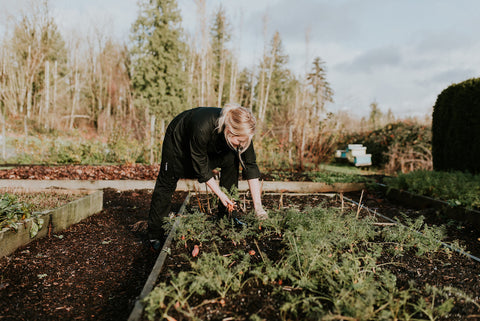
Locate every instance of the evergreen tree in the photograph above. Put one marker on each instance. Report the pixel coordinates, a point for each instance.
(375, 115)
(245, 84)
(321, 90)
(279, 82)
(158, 58)
(281, 90)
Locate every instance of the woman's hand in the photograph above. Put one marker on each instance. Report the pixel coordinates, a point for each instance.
(228, 203)
(261, 213)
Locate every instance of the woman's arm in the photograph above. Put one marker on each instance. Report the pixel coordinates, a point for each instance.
(227, 202)
(255, 190)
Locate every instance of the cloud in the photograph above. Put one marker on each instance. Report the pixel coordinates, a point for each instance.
(453, 75)
(373, 61)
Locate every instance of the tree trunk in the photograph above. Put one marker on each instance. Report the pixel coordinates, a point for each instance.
(273, 58)
(233, 82)
(47, 93)
(152, 138)
(75, 98)
(221, 78)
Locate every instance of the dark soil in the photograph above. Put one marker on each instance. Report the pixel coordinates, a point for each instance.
(94, 270)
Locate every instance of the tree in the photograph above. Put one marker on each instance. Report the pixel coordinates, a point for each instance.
(36, 44)
(245, 85)
(220, 35)
(390, 117)
(321, 90)
(282, 85)
(158, 56)
(107, 86)
(375, 115)
(275, 80)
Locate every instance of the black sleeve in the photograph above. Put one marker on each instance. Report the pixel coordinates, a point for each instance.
(249, 158)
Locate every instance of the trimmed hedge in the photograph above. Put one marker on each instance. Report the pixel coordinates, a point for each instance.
(456, 128)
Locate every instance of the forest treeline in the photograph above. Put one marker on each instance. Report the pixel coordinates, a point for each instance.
(133, 88)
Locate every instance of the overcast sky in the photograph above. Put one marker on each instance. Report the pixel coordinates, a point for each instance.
(398, 53)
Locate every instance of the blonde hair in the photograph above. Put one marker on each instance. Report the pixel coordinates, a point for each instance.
(236, 120)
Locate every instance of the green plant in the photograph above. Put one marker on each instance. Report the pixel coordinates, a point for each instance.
(219, 274)
(329, 177)
(457, 188)
(327, 267)
(13, 212)
(407, 235)
(194, 228)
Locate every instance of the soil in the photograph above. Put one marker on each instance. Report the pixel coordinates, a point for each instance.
(96, 269)
(93, 270)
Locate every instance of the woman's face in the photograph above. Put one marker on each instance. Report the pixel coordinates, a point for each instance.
(238, 141)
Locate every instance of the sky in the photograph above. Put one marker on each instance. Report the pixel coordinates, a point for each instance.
(399, 54)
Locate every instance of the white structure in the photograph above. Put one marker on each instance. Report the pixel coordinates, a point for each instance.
(355, 154)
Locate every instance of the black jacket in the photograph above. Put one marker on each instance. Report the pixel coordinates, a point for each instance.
(193, 146)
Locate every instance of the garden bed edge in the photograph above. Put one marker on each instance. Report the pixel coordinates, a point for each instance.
(54, 220)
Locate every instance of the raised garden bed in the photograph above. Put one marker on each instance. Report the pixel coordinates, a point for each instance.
(66, 208)
(272, 271)
(407, 206)
(101, 277)
(458, 213)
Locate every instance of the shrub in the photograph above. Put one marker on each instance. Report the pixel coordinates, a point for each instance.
(401, 139)
(456, 128)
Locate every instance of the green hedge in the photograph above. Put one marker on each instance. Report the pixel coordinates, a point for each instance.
(456, 128)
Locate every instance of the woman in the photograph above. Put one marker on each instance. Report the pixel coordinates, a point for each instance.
(196, 142)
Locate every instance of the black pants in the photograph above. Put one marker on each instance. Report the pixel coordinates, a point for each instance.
(166, 184)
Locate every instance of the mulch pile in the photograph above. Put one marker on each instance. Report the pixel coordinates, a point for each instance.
(83, 172)
(107, 172)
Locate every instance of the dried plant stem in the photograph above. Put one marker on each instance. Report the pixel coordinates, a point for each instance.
(341, 198)
(259, 251)
(360, 205)
(198, 198)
